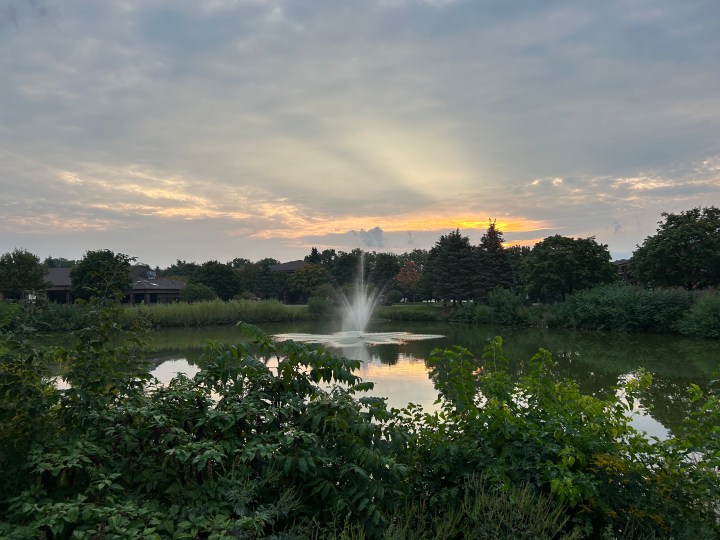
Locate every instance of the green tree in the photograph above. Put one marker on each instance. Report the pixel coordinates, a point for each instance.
(58, 262)
(314, 256)
(684, 252)
(266, 283)
(220, 277)
(516, 255)
(183, 269)
(450, 268)
(419, 256)
(493, 263)
(384, 267)
(21, 273)
(247, 272)
(344, 267)
(101, 275)
(559, 265)
(307, 279)
(197, 292)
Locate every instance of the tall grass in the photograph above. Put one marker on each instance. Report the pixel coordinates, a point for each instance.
(412, 312)
(212, 313)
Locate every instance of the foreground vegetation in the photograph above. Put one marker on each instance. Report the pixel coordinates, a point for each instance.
(278, 440)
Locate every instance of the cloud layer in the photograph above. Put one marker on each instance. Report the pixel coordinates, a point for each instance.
(254, 128)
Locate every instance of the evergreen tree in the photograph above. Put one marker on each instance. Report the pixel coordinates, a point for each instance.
(450, 269)
(314, 257)
(493, 263)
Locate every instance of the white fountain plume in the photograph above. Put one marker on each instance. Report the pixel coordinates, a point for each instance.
(357, 313)
(361, 305)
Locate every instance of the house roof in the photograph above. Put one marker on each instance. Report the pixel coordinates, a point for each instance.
(60, 279)
(289, 267)
(157, 284)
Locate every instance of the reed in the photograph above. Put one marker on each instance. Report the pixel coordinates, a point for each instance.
(212, 313)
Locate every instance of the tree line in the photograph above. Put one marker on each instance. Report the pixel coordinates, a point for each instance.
(684, 252)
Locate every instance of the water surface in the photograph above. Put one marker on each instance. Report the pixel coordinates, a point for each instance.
(598, 362)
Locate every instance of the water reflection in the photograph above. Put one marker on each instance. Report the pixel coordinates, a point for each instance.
(598, 363)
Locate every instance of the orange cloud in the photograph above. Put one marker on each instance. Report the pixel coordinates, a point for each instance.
(421, 222)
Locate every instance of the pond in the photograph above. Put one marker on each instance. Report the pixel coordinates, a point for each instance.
(598, 362)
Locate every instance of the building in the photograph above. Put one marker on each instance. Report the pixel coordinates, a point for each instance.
(624, 270)
(288, 267)
(146, 288)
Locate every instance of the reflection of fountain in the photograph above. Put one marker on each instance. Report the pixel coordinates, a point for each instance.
(353, 339)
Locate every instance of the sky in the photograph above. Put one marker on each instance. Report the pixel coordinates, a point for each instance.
(216, 129)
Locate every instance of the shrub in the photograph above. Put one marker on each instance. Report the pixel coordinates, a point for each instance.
(506, 306)
(320, 307)
(703, 319)
(393, 297)
(580, 450)
(623, 308)
(197, 292)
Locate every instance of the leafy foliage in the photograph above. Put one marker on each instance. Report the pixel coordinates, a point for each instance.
(308, 278)
(277, 440)
(684, 252)
(623, 308)
(102, 275)
(558, 266)
(21, 273)
(408, 277)
(579, 450)
(703, 318)
(220, 277)
(197, 292)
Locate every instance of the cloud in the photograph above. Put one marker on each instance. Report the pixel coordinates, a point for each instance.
(288, 123)
(372, 238)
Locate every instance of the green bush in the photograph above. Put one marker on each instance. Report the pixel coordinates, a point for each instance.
(703, 319)
(320, 307)
(580, 450)
(197, 292)
(623, 308)
(507, 307)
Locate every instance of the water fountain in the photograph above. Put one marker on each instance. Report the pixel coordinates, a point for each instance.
(357, 311)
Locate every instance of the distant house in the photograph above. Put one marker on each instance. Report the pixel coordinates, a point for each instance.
(624, 270)
(288, 267)
(146, 288)
(59, 291)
